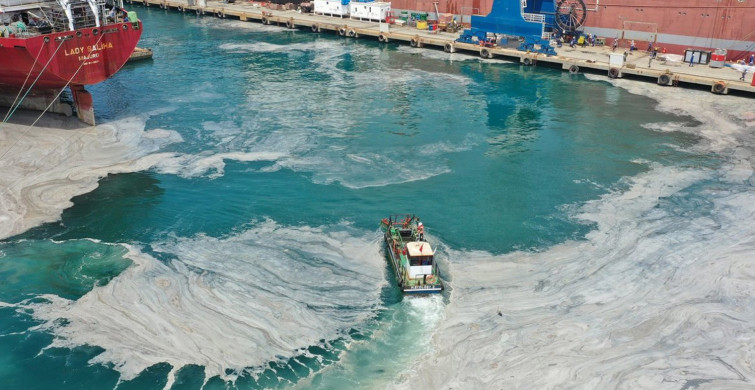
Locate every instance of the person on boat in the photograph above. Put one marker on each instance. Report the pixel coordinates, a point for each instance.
(421, 231)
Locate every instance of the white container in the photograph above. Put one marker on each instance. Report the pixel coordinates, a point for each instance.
(616, 60)
(331, 7)
(376, 10)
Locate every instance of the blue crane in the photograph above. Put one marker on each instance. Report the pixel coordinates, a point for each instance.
(532, 21)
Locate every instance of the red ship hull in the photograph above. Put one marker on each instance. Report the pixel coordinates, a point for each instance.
(71, 58)
(676, 26)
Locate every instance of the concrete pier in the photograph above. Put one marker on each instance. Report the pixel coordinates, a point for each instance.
(579, 59)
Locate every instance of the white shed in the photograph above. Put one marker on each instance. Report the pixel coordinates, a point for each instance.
(376, 10)
(332, 7)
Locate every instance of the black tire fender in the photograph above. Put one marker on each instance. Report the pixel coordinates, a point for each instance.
(485, 53)
(341, 31)
(664, 79)
(315, 28)
(414, 42)
(719, 87)
(527, 61)
(613, 73)
(290, 24)
(449, 47)
(574, 69)
(264, 20)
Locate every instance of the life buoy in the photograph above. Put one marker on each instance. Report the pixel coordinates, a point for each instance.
(315, 28)
(485, 53)
(414, 42)
(527, 61)
(264, 20)
(719, 87)
(382, 38)
(574, 69)
(449, 48)
(341, 31)
(353, 33)
(664, 79)
(613, 73)
(430, 279)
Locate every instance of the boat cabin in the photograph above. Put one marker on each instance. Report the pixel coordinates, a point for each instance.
(420, 256)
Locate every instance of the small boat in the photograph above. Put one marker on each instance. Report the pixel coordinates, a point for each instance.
(412, 257)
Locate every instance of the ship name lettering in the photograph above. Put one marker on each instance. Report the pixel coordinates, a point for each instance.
(74, 51)
(100, 46)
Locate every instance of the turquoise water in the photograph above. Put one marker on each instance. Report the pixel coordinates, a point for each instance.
(250, 258)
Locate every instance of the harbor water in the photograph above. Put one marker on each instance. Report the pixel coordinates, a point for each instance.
(220, 227)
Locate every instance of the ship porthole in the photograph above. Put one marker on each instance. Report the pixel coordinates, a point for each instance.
(47, 39)
(125, 27)
(95, 31)
(78, 34)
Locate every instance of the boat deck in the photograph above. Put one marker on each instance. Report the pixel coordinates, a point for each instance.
(587, 59)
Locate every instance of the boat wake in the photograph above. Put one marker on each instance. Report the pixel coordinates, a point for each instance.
(655, 297)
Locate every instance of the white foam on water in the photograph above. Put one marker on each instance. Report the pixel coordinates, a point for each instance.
(443, 56)
(212, 165)
(320, 131)
(230, 303)
(235, 25)
(658, 296)
(44, 167)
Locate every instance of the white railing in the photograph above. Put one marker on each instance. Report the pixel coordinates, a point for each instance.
(538, 18)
